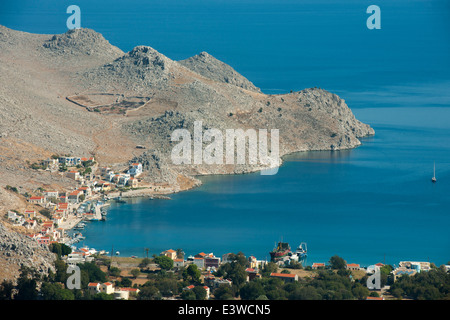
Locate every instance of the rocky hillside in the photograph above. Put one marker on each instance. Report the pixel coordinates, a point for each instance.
(17, 249)
(51, 84)
(75, 93)
(209, 67)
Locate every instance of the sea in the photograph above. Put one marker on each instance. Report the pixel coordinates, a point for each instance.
(375, 203)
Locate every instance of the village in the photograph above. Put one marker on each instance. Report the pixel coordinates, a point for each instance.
(208, 264)
(53, 213)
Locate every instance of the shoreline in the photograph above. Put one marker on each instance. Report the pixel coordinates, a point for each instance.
(147, 192)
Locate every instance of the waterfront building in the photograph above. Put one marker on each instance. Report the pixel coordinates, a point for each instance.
(135, 169)
(172, 254)
(318, 265)
(287, 277)
(353, 266)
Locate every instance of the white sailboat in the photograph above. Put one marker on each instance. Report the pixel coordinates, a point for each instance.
(434, 173)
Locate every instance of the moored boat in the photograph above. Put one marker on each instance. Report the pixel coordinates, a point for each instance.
(282, 250)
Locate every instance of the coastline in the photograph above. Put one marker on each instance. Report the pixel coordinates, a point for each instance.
(148, 192)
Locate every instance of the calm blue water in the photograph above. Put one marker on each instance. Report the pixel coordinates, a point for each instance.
(365, 204)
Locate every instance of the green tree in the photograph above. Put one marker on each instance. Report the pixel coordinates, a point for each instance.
(145, 262)
(60, 249)
(269, 268)
(61, 271)
(27, 284)
(6, 290)
(55, 291)
(149, 292)
(167, 286)
(200, 293)
(125, 282)
(188, 295)
(90, 272)
(46, 213)
(103, 296)
(180, 253)
(192, 272)
(252, 290)
(135, 273)
(114, 272)
(305, 293)
(360, 292)
(337, 262)
(164, 262)
(223, 292)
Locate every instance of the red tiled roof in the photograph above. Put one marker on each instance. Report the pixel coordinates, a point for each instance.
(352, 265)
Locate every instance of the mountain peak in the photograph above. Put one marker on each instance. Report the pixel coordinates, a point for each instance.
(82, 41)
(214, 69)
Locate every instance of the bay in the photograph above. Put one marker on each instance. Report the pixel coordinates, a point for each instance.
(375, 203)
(371, 204)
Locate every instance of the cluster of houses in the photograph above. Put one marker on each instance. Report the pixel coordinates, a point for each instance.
(45, 232)
(120, 179)
(110, 178)
(209, 263)
(53, 163)
(61, 204)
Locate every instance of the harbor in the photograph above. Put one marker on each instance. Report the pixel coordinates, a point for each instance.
(86, 212)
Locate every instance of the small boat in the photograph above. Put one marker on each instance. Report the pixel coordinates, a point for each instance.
(302, 250)
(434, 173)
(117, 253)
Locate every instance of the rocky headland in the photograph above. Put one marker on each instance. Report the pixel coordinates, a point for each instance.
(75, 93)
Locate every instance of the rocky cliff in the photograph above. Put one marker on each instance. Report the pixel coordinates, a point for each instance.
(18, 250)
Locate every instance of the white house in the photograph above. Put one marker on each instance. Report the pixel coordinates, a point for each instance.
(75, 175)
(16, 219)
(36, 200)
(30, 224)
(94, 288)
(199, 262)
(178, 263)
(69, 161)
(51, 194)
(107, 288)
(123, 179)
(135, 170)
